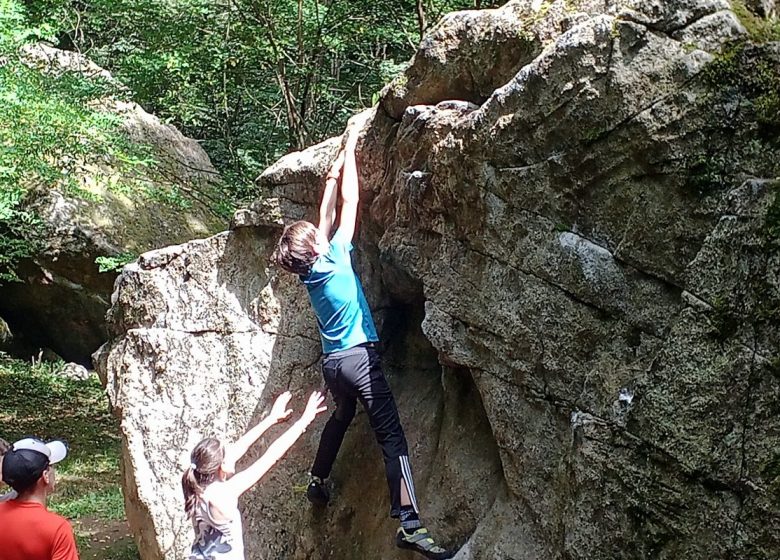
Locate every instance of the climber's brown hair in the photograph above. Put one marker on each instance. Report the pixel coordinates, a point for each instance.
(295, 251)
(205, 462)
(4, 447)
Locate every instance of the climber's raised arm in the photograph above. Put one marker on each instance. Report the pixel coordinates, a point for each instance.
(244, 480)
(350, 185)
(330, 196)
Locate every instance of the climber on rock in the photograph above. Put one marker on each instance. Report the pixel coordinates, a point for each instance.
(351, 363)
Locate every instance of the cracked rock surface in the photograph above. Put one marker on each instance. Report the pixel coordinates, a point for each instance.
(569, 241)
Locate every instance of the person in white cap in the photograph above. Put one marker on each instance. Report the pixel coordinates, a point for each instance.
(30, 531)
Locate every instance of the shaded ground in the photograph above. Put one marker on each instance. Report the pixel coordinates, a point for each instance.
(105, 540)
(37, 402)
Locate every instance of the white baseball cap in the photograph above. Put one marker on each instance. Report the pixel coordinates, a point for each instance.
(55, 450)
(27, 459)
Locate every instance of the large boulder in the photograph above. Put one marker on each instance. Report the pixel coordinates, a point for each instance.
(575, 277)
(63, 296)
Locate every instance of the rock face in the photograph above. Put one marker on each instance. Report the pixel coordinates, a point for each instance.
(763, 8)
(63, 298)
(575, 277)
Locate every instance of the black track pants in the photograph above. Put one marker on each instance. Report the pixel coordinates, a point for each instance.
(356, 374)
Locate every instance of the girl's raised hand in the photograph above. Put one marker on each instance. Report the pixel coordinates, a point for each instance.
(313, 407)
(279, 410)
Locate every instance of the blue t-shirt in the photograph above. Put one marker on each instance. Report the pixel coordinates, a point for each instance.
(337, 297)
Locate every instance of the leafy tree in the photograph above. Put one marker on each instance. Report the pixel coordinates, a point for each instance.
(51, 130)
(251, 80)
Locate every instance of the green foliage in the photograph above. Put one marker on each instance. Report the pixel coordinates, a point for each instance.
(17, 231)
(15, 29)
(106, 503)
(14, 221)
(759, 29)
(114, 263)
(742, 99)
(251, 80)
(752, 81)
(51, 130)
(38, 402)
(48, 131)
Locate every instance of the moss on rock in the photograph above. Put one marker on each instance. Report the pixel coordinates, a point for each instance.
(760, 30)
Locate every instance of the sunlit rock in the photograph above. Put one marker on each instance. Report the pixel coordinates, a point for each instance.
(572, 257)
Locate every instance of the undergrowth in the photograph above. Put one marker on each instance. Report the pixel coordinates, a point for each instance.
(37, 402)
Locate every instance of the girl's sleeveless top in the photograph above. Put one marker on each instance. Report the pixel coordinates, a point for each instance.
(216, 540)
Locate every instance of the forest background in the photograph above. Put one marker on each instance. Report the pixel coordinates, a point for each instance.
(249, 79)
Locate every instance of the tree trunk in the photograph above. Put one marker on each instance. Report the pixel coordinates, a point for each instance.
(421, 17)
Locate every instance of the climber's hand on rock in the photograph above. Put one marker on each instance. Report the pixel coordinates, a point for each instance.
(335, 169)
(357, 123)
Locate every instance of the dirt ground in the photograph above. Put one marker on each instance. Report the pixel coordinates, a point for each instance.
(105, 540)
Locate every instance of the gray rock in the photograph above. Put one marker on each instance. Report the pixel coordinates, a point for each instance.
(76, 372)
(6, 336)
(576, 282)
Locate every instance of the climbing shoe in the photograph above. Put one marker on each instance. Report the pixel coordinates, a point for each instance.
(317, 492)
(420, 541)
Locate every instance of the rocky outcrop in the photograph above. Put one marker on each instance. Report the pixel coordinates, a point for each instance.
(762, 8)
(575, 276)
(63, 297)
